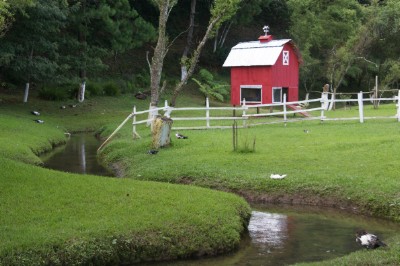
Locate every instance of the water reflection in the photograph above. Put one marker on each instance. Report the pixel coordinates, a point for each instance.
(268, 229)
(79, 155)
(283, 235)
(278, 235)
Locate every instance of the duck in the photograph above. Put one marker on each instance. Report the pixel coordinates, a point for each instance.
(152, 152)
(180, 136)
(368, 240)
(277, 176)
(39, 121)
(140, 96)
(35, 113)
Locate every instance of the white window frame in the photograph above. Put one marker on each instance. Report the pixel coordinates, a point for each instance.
(273, 94)
(256, 87)
(285, 58)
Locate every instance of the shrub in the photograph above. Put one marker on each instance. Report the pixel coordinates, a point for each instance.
(111, 89)
(53, 93)
(95, 89)
(209, 87)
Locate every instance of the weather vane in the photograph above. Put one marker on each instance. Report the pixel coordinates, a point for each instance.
(266, 30)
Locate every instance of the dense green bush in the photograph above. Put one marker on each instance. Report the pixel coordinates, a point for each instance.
(112, 89)
(53, 93)
(95, 89)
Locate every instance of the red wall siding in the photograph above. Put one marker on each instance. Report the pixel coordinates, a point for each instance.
(256, 75)
(287, 75)
(278, 75)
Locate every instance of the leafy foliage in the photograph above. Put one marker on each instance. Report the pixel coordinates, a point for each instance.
(111, 89)
(211, 88)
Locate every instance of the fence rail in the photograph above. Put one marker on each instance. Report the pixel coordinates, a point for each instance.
(326, 104)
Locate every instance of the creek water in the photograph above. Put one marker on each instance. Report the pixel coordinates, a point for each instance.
(277, 234)
(79, 155)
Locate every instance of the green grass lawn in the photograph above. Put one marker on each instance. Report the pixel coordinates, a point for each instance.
(354, 163)
(338, 163)
(49, 217)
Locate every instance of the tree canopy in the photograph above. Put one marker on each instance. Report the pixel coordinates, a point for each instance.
(345, 43)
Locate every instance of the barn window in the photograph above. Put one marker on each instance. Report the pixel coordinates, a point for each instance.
(285, 58)
(276, 94)
(252, 93)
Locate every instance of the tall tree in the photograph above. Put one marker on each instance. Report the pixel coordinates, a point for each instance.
(98, 30)
(385, 48)
(29, 51)
(189, 39)
(320, 29)
(161, 49)
(221, 10)
(8, 10)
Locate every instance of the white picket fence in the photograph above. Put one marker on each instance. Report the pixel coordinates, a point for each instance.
(245, 113)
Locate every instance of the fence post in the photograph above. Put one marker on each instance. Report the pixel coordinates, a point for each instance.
(324, 104)
(360, 106)
(244, 111)
(208, 112)
(332, 101)
(134, 133)
(398, 106)
(284, 108)
(167, 109)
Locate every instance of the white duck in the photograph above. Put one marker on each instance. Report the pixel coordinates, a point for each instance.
(277, 176)
(369, 241)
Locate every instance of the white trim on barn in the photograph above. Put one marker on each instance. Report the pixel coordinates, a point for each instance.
(253, 93)
(276, 94)
(285, 58)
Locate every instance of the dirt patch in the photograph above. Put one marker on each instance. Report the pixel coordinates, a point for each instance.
(301, 199)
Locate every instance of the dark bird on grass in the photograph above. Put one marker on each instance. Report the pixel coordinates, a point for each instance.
(369, 241)
(35, 113)
(306, 131)
(140, 96)
(39, 121)
(152, 152)
(180, 136)
(63, 107)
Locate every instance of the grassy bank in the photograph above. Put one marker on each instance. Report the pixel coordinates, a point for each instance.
(343, 164)
(49, 217)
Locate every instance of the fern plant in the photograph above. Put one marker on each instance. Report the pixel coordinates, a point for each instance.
(211, 88)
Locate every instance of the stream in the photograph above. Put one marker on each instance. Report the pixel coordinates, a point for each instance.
(278, 234)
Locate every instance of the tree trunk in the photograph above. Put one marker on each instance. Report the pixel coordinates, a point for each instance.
(194, 60)
(81, 92)
(26, 92)
(27, 85)
(189, 40)
(160, 51)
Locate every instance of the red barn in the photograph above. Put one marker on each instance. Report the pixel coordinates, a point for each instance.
(263, 71)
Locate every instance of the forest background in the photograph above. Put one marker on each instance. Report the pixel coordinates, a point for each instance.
(55, 46)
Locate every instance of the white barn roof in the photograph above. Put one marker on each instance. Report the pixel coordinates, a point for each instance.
(255, 53)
